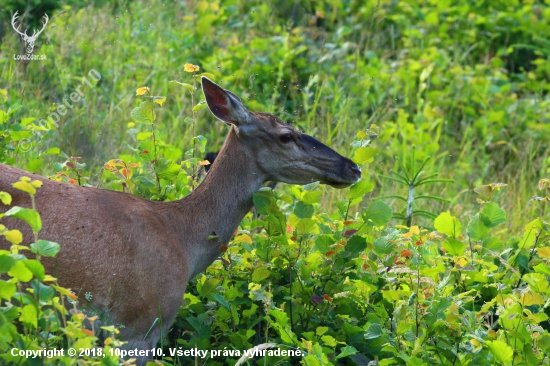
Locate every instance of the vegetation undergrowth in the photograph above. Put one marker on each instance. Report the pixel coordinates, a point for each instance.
(439, 255)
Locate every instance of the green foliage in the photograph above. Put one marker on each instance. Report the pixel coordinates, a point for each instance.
(387, 83)
(412, 178)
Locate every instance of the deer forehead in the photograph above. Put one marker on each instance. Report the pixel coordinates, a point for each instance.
(271, 122)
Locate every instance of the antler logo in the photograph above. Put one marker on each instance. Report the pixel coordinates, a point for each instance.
(29, 40)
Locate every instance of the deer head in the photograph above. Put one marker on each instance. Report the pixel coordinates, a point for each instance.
(29, 40)
(280, 151)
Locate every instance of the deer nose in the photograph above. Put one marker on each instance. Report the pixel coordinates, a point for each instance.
(354, 168)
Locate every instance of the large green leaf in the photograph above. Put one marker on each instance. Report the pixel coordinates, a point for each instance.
(492, 214)
(45, 248)
(447, 224)
(359, 189)
(356, 244)
(260, 274)
(29, 315)
(476, 229)
(303, 210)
(145, 113)
(383, 246)
(7, 290)
(454, 246)
(501, 351)
(365, 155)
(377, 214)
(28, 215)
(166, 169)
(6, 262)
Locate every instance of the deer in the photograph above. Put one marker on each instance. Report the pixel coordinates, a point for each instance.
(29, 40)
(135, 256)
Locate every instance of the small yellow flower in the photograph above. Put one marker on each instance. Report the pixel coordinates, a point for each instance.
(190, 68)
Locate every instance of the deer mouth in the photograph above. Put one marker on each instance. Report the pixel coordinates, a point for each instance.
(350, 175)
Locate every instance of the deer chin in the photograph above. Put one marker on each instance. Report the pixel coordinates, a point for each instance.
(338, 182)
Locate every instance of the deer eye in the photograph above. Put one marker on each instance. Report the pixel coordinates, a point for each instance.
(287, 137)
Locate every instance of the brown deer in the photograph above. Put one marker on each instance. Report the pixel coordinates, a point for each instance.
(135, 256)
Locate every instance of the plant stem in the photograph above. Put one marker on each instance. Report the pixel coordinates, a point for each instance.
(410, 201)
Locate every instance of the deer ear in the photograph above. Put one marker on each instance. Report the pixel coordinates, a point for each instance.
(224, 104)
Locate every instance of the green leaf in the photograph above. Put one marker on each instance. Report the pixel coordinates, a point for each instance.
(36, 268)
(329, 340)
(143, 136)
(454, 247)
(346, 351)
(223, 302)
(359, 189)
(542, 268)
(306, 226)
(262, 201)
(52, 151)
(21, 272)
(144, 181)
(323, 243)
(382, 246)
(492, 214)
(303, 210)
(199, 106)
(321, 330)
(436, 310)
(6, 262)
(5, 198)
(34, 165)
(145, 113)
(447, 224)
(310, 186)
(29, 315)
(365, 155)
(312, 197)
(537, 282)
(202, 142)
(159, 100)
(7, 290)
(377, 214)
(281, 323)
(356, 244)
(531, 231)
(260, 274)
(476, 229)
(207, 286)
(166, 169)
(28, 215)
(501, 351)
(45, 248)
(45, 292)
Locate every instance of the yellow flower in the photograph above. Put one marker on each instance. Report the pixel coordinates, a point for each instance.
(142, 90)
(190, 68)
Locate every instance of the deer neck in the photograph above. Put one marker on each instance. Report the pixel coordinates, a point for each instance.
(215, 209)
